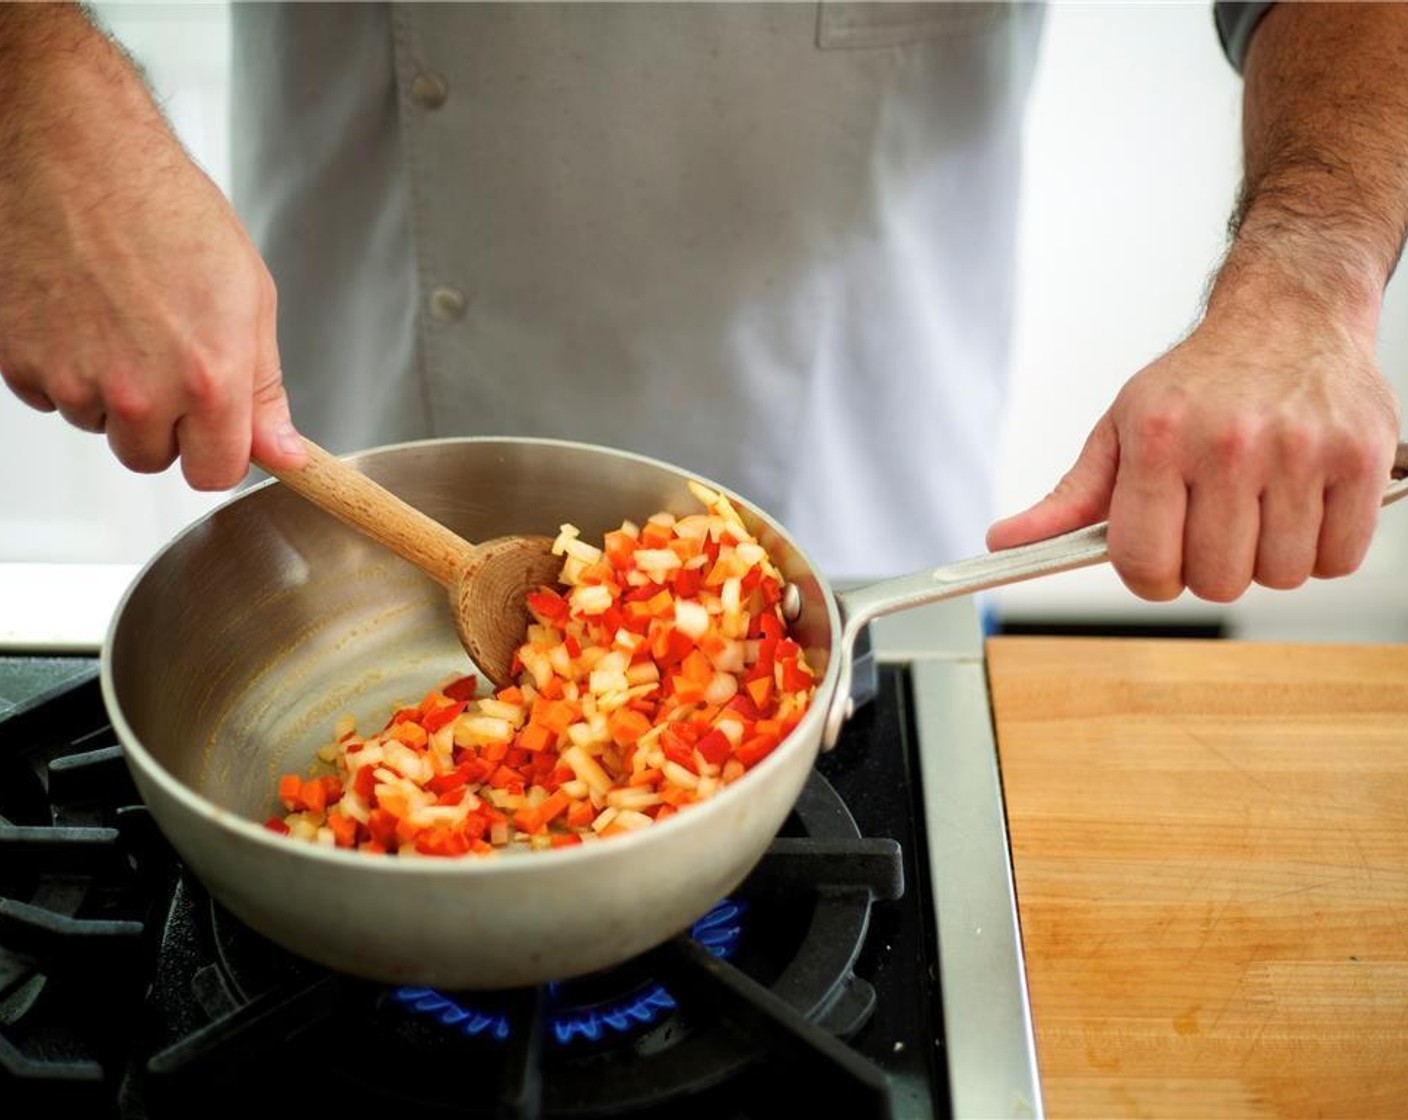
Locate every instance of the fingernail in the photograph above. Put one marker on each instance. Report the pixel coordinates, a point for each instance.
(288, 439)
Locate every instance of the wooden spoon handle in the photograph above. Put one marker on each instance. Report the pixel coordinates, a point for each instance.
(346, 493)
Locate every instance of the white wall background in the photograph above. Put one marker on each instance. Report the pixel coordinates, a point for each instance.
(1132, 164)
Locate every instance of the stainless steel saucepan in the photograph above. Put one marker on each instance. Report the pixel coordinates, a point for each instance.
(236, 648)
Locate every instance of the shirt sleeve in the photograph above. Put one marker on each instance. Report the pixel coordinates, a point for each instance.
(1235, 24)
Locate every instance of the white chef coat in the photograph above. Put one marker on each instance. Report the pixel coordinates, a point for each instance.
(772, 244)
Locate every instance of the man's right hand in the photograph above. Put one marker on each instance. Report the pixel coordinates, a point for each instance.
(131, 299)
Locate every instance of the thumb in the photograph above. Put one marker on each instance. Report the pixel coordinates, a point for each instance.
(1081, 498)
(275, 442)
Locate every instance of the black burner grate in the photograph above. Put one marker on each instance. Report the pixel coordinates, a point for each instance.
(126, 991)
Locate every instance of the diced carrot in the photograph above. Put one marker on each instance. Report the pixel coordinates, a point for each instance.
(760, 691)
(752, 751)
(581, 814)
(432, 700)
(493, 752)
(504, 777)
(330, 790)
(344, 829)
(441, 841)
(536, 737)
(697, 667)
(393, 800)
(556, 715)
(685, 690)
(647, 777)
(554, 806)
(290, 785)
(552, 689)
(600, 572)
(626, 726)
(412, 734)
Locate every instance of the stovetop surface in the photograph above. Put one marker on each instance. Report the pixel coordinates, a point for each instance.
(126, 992)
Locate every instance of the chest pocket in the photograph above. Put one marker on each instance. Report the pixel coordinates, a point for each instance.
(843, 26)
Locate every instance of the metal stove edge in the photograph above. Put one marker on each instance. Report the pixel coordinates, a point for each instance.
(989, 1036)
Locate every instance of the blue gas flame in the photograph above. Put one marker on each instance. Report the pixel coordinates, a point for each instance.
(719, 931)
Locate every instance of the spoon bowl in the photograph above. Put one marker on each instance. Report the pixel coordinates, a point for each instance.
(488, 583)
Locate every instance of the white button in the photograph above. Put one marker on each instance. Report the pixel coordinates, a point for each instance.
(428, 90)
(447, 304)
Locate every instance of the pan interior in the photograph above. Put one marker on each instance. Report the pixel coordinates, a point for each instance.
(240, 645)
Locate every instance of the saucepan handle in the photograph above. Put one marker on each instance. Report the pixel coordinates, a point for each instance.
(1077, 549)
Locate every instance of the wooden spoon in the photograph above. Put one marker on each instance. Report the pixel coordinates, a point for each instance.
(488, 583)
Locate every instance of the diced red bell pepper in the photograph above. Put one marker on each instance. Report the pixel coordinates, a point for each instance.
(680, 755)
(715, 747)
(688, 581)
(437, 718)
(464, 688)
(364, 784)
(381, 826)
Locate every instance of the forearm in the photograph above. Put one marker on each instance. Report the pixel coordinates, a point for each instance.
(66, 88)
(1324, 202)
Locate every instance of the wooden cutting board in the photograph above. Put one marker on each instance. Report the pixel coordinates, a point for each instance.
(1210, 846)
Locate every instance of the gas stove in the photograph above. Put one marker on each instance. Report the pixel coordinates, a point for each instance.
(871, 963)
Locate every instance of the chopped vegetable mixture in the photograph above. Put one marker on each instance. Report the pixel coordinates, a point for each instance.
(659, 670)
